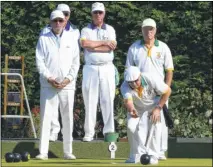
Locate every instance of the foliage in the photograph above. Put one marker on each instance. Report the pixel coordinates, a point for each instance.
(191, 113)
(185, 26)
(36, 120)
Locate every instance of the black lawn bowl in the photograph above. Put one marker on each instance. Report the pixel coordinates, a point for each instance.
(145, 159)
(9, 157)
(25, 156)
(17, 157)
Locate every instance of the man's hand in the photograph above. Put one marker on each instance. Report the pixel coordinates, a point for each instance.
(130, 108)
(155, 116)
(53, 82)
(133, 112)
(58, 85)
(65, 82)
(110, 44)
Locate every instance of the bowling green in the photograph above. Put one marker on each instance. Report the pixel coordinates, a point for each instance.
(53, 162)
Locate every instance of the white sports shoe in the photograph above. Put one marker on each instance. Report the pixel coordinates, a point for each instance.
(137, 158)
(153, 160)
(42, 157)
(162, 157)
(87, 139)
(69, 156)
(53, 137)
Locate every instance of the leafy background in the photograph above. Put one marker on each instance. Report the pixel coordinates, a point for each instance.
(185, 26)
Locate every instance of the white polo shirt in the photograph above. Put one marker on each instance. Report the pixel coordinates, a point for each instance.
(91, 32)
(157, 59)
(144, 97)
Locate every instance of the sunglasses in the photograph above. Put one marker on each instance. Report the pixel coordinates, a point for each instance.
(131, 82)
(98, 12)
(58, 20)
(66, 14)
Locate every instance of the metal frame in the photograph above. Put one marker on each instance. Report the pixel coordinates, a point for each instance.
(27, 103)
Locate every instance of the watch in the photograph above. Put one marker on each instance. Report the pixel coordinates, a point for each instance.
(158, 106)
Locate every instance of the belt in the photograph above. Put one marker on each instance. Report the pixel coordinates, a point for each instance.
(99, 64)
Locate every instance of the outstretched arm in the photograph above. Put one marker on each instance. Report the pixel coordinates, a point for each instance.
(130, 108)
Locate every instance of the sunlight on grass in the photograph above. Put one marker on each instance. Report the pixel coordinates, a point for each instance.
(107, 162)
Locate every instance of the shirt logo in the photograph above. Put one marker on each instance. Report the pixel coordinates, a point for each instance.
(158, 55)
(105, 37)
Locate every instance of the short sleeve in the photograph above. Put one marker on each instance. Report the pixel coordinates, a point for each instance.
(112, 35)
(156, 83)
(84, 34)
(159, 85)
(126, 91)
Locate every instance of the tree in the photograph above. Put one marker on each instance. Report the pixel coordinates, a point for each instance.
(185, 26)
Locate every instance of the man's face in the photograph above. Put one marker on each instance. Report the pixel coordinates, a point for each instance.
(57, 25)
(67, 15)
(135, 84)
(98, 16)
(149, 32)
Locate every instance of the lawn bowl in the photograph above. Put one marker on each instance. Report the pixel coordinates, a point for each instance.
(145, 159)
(17, 157)
(25, 156)
(9, 157)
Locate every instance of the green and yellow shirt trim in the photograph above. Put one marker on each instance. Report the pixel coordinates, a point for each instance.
(156, 43)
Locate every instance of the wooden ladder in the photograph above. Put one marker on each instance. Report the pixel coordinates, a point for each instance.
(12, 98)
(13, 78)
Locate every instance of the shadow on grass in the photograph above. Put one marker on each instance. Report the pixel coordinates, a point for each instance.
(80, 161)
(30, 147)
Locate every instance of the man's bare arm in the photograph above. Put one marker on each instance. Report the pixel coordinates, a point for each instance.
(98, 46)
(130, 108)
(156, 111)
(169, 77)
(89, 44)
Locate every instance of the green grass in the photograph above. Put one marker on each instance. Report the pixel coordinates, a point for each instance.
(53, 162)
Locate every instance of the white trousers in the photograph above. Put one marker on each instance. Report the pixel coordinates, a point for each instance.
(55, 125)
(50, 100)
(138, 131)
(98, 84)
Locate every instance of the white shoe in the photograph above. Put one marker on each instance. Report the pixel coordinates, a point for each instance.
(137, 158)
(153, 160)
(53, 137)
(69, 156)
(87, 139)
(42, 157)
(162, 157)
